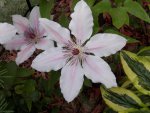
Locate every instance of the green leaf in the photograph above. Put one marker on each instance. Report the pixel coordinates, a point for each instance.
(145, 99)
(4, 105)
(29, 103)
(46, 7)
(120, 99)
(141, 111)
(119, 17)
(137, 70)
(87, 82)
(29, 87)
(64, 20)
(135, 9)
(101, 7)
(144, 52)
(24, 72)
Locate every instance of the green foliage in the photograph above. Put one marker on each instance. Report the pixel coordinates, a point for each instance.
(119, 13)
(138, 72)
(135, 9)
(4, 105)
(121, 99)
(119, 17)
(46, 7)
(144, 51)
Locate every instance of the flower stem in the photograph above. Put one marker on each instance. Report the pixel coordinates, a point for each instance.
(29, 4)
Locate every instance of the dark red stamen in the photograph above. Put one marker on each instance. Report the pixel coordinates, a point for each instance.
(29, 33)
(75, 51)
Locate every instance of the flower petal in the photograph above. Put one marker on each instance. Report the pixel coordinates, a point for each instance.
(81, 24)
(34, 17)
(71, 80)
(44, 44)
(7, 32)
(52, 59)
(105, 44)
(21, 23)
(98, 70)
(15, 44)
(25, 53)
(56, 32)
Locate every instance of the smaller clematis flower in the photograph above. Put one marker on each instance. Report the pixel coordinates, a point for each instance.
(79, 55)
(7, 32)
(31, 35)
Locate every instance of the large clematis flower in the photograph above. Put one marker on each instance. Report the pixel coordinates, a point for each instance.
(76, 57)
(7, 32)
(31, 36)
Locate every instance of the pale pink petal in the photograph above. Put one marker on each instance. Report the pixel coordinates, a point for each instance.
(7, 32)
(21, 23)
(71, 80)
(44, 44)
(34, 18)
(55, 31)
(81, 24)
(99, 71)
(15, 44)
(52, 59)
(105, 44)
(25, 53)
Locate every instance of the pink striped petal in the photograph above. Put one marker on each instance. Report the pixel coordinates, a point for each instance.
(15, 44)
(71, 80)
(34, 17)
(56, 32)
(52, 59)
(25, 53)
(7, 32)
(81, 24)
(99, 71)
(21, 23)
(44, 44)
(105, 44)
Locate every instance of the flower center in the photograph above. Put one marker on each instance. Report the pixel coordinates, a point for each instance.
(75, 51)
(31, 35)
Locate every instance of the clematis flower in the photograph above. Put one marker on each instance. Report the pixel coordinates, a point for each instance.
(7, 32)
(76, 57)
(31, 36)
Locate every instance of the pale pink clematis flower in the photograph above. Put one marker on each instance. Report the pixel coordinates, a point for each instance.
(7, 32)
(31, 36)
(76, 57)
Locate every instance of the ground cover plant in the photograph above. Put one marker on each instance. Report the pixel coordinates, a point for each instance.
(75, 56)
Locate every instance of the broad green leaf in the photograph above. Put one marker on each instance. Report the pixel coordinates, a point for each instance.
(64, 20)
(120, 99)
(46, 7)
(87, 82)
(29, 103)
(119, 2)
(136, 9)
(101, 7)
(119, 17)
(144, 52)
(137, 70)
(145, 99)
(129, 39)
(141, 111)
(24, 72)
(29, 87)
